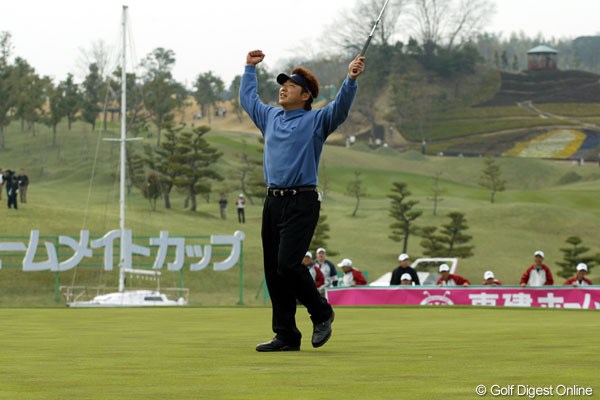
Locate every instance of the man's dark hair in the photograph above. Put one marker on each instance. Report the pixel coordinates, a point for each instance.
(311, 81)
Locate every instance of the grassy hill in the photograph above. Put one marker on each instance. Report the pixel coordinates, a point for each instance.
(520, 108)
(553, 86)
(536, 212)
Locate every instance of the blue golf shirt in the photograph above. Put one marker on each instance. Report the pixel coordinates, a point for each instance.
(294, 139)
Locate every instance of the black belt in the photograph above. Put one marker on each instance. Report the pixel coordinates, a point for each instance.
(281, 192)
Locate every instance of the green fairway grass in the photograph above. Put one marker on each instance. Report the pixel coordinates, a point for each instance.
(208, 353)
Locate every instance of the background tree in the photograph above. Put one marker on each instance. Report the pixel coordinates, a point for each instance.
(90, 96)
(57, 106)
(573, 255)
(321, 235)
(412, 97)
(23, 77)
(250, 173)
(491, 178)
(355, 189)
(453, 237)
(29, 92)
(449, 23)
(268, 89)
(136, 119)
(402, 212)
(196, 157)
(450, 241)
(134, 164)
(350, 30)
(163, 161)
(99, 54)
(504, 58)
(234, 90)
(437, 191)
(152, 189)
(6, 84)
(431, 242)
(162, 94)
(71, 99)
(208, 92)
(515, 63)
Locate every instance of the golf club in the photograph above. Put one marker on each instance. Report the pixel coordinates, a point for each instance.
(364, 49)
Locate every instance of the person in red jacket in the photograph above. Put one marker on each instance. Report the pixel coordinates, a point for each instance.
(448, 279)
(538, 274)
(579, 279)
(490, 280)
(315, 272)
(352, 276)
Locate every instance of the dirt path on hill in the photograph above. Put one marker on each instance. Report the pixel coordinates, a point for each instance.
(529, 106)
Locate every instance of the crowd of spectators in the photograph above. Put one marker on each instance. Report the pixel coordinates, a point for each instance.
(325, 275)
(538, 274)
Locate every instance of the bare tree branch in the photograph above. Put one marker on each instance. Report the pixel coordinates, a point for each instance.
(350, 30)
(449, 22)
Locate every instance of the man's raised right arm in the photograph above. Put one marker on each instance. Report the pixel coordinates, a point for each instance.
(257, 110)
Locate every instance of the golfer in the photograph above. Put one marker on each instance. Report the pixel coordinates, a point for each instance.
(294, 137)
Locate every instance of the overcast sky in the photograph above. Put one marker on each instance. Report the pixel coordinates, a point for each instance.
(216, 35)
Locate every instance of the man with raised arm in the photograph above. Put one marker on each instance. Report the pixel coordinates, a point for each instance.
(294, 137)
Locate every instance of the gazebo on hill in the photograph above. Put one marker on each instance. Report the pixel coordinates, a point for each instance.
(542, 58)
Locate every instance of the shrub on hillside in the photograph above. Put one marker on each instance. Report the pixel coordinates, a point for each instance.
(569, 177)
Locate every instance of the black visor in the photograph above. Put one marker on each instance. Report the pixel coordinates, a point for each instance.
(297, 79)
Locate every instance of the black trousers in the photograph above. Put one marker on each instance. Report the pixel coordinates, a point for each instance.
(287, 228)
(12, 200)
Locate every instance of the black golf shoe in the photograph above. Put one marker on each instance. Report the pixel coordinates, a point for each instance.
(276, 345)
(322, 331)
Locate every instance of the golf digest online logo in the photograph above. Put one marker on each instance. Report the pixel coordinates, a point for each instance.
(534, 392)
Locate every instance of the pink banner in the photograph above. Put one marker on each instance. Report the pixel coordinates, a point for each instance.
(549, 297)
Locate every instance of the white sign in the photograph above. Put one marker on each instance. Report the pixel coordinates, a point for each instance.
(197, 256)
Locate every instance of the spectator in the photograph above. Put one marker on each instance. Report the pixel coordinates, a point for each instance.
(490, 280)
(538, 274)
(240, 204)
(12, 188)
(352, 276)
(448, 279)
(223, 205)
(315, 272)
(406, 279)
(404, 268)
(579, 279)
(23, 182)
(327, 267)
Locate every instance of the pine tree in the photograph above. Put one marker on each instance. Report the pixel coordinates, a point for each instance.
(574, 255)
(402, 211)
(453, 236)
(320, 236)
(163, 162)
(431, 243)
(491, 178)
(135, 169)
(195, 158)
(451, 240)
(152, 188)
